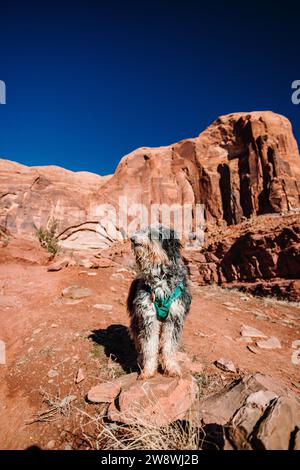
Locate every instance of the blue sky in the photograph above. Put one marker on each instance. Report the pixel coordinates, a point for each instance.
(89, 81)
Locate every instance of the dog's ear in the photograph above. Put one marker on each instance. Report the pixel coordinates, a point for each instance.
(172, 246)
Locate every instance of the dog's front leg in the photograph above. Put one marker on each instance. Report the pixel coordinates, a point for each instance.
(170, 337)
(149, 345)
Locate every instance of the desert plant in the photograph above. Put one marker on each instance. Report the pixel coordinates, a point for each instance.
(4, 237)
(48, 236)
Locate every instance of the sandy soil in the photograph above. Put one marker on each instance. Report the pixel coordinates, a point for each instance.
(43, 334)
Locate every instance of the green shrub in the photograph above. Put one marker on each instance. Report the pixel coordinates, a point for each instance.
(48, 236)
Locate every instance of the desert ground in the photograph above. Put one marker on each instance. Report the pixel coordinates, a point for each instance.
(49, 337)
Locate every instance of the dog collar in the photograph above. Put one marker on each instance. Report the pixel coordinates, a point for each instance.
(162, 306)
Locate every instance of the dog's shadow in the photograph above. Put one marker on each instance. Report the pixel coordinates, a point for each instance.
(117, 344)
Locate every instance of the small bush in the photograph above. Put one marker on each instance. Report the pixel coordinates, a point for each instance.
(4, 237)
(48, 236)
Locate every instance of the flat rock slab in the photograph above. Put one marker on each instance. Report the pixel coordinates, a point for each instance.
(76, 292)
(271, 343)
(106, 307)
(251, 332)
(104, 392)
(156, 402)
(276, 430)
(58, 264)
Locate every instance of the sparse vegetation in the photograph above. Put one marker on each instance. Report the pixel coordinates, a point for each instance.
(4, 237)
(91, 430)
(48, 236)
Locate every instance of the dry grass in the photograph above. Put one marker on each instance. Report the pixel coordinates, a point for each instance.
(98, 434)
(89, 428)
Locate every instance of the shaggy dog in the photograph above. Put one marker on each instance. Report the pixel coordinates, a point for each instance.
(159, 299)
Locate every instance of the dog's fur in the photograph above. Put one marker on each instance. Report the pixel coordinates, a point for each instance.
(157, 252)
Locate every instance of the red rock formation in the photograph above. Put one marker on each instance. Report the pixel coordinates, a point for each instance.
(261, 256)
(241, 165)
(30, 196)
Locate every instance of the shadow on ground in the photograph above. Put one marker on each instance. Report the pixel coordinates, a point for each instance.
(117, 345)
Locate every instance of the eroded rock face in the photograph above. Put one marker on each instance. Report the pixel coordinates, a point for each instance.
(263, 259)
(256, 413)
(243, 164)
(30, 196)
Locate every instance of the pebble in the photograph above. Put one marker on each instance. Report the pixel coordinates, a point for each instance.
(80, 376)
(50, 444)
(106, 307)
(52, 373)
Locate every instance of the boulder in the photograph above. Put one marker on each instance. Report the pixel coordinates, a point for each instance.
(156, 402)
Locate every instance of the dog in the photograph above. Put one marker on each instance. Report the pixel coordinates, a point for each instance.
(159, 299)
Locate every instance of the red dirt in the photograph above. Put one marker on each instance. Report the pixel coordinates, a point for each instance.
(42, 333)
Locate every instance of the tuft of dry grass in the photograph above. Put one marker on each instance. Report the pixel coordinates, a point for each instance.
(90, 428)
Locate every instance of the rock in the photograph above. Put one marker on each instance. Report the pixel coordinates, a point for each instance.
(76, 292)
(253, 349)
(37, 331)
(194, 367)
(156, 402)
(225, 365)
(104, 392)
(245, 420)
(222, 406)
(117, 277)
(80, 376)
(106, 307)
(50, 444)
(2, 352)
(276, 429)
(68, 447)
(251, 332)
(271, 343)
(257, 413)
(244, 164)
(85, 263)
(297, 441)
(104, 263)
(228, 304)
(245, 339)
(67, 301)
(59, 264)
(261, 398)
(52, 373)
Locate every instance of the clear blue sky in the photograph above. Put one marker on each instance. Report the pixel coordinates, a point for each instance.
(89, 81)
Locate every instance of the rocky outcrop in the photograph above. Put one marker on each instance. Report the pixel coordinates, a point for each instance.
(30, 196)
(255, 413)
(243, 164)
(262, 259)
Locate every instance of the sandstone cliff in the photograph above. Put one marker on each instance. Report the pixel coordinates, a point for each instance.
(243, 164)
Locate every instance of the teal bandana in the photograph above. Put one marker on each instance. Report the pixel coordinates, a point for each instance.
(162, 306)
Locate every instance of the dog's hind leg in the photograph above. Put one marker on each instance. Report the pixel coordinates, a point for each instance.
(149, 346)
